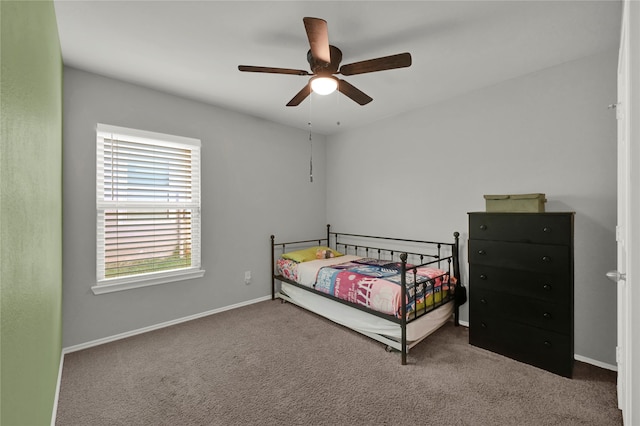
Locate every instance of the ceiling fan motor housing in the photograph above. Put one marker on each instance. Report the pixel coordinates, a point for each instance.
(318, 67)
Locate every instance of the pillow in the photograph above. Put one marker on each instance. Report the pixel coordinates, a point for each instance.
(310, 253)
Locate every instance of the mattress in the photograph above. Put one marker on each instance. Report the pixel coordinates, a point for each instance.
(372, 283)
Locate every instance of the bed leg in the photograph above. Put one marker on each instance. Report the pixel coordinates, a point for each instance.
(273, 272)
(456, 273)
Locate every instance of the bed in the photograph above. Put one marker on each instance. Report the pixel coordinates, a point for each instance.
(396, 291)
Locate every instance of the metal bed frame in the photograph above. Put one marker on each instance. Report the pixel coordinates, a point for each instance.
(350, 244)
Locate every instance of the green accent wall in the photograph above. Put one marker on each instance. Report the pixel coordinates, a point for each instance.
(30, 212)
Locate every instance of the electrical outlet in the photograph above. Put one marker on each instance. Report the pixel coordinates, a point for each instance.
(247, 277)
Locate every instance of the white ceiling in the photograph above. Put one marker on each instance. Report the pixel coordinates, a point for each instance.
(193, 49)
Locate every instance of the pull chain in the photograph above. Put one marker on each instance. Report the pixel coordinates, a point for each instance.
(310, 156)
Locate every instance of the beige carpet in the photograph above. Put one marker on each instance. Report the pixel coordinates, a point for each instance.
(276, 364)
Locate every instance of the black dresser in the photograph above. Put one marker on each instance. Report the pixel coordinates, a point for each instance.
(521, 287)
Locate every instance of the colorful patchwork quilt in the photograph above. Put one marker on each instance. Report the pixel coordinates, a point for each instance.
(375, 283)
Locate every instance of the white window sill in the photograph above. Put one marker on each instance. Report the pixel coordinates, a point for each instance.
(120, 284)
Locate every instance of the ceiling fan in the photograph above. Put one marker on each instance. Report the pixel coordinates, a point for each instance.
(324, 60)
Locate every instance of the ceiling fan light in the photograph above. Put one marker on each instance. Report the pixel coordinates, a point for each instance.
(324, 85)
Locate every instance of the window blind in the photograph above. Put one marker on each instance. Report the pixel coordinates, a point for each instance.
(148, 202)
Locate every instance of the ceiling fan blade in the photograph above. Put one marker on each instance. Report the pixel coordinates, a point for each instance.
(249, 68)
(353, 92)
(401, 60)
(300, 96)
(318, 36)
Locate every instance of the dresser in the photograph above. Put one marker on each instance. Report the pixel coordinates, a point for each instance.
(521, 287)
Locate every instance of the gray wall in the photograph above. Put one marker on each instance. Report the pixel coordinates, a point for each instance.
(255, 182)
(547, 132)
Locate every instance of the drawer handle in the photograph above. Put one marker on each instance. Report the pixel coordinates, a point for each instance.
(483, 277)
(547, 287)
(482, 252)
(483, 227)
(547, 343)
(483, 325)
(547, 315)
(483, 301)
(546, 229)
(546, 259)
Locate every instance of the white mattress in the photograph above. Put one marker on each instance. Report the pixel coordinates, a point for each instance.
(364, 322)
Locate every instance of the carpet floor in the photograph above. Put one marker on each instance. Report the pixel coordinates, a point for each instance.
(273, 363)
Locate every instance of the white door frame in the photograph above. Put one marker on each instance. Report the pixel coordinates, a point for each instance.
(623, 216)
(632, 409)
(629, 214)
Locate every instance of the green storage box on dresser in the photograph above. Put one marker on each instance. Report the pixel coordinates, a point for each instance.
(521, 287)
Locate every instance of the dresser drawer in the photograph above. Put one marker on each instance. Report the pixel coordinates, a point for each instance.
(538, 313)
(529, 257)
(554, 287)
(541, 348)
(543, 228)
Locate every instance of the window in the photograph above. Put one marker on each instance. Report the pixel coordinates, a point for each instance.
(148, 208)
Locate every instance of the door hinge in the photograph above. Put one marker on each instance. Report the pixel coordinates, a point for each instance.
(617, 354)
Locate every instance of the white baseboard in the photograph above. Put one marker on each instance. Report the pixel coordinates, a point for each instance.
(57, 395)
(131, 333)
(595, 362)
(464, 323)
